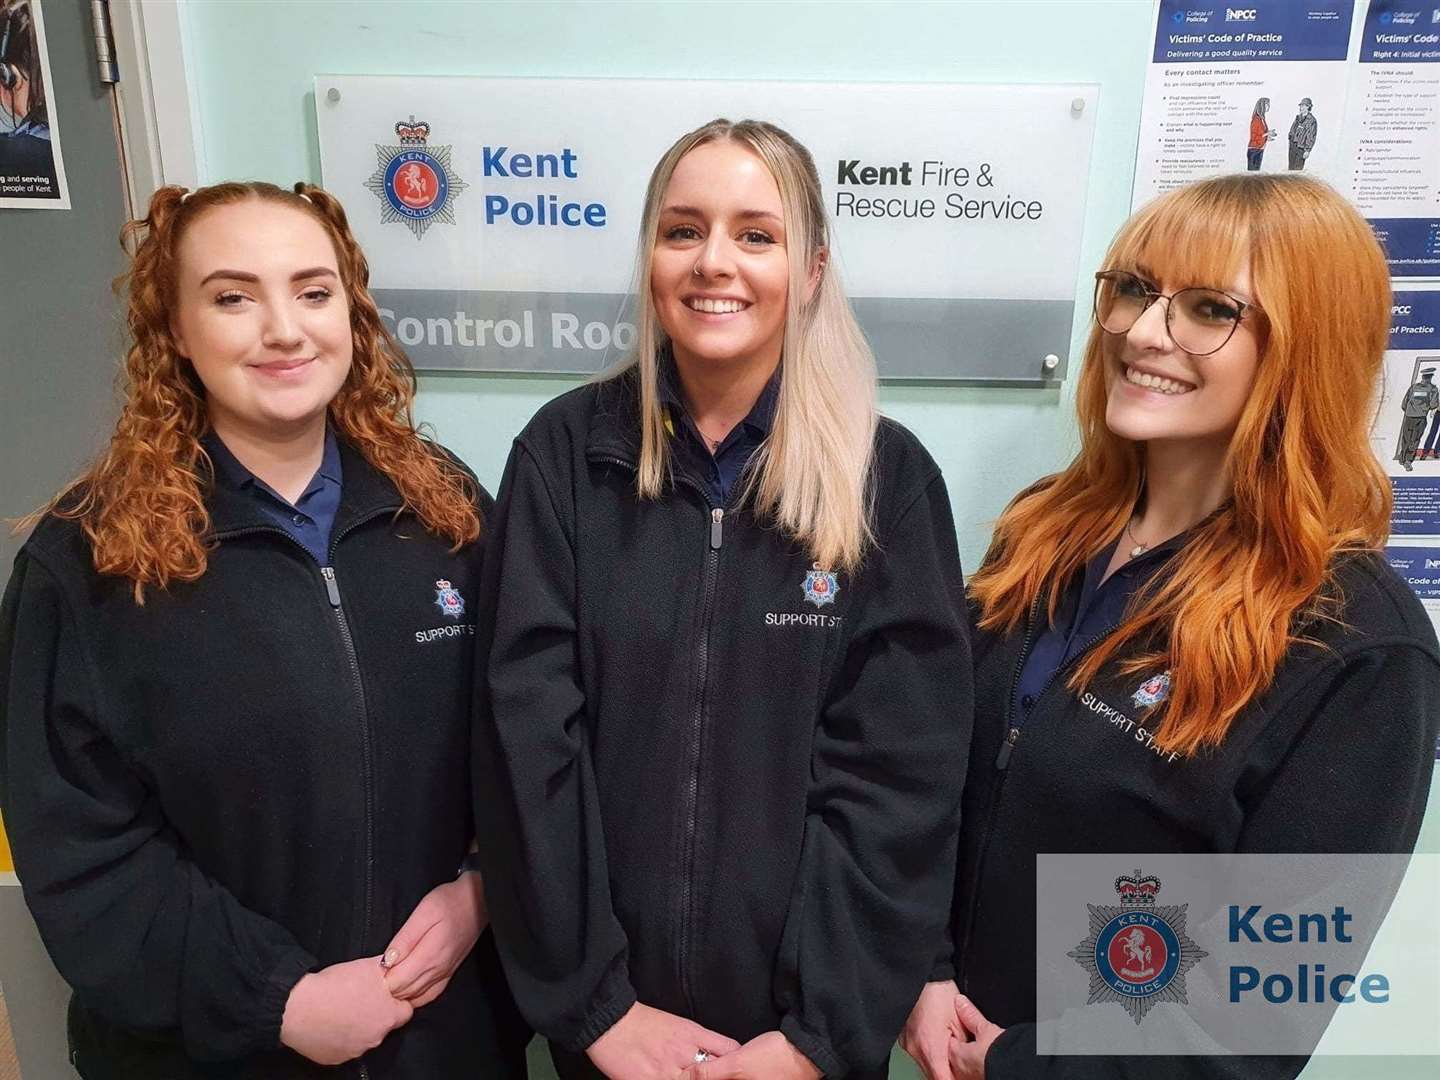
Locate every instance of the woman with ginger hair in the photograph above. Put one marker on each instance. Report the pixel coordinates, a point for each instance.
(235, 673)
(1208, 567)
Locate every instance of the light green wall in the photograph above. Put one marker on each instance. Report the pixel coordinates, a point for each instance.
(253, 63)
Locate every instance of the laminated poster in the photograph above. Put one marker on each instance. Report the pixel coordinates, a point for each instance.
(32, 172)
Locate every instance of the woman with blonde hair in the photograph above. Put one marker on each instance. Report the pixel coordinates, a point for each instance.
(723, 695)
(1186, 629)
(235, 677)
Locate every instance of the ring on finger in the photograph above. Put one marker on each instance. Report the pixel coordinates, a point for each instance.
(701, 1056)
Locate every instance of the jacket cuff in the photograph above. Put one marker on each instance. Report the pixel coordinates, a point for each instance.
(279, 983)
(1013, 1052)
(942, 971)
(820, 1052)
(614, 1000)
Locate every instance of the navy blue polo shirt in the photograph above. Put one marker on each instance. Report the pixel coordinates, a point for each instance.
(717, 472)
(312, 517)
(1084, 617)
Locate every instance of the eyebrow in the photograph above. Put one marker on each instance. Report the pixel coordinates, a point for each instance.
(745, 215)
(1229, 290)
(243, 275)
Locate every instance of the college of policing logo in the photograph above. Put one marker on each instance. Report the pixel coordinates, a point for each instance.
(820, 586)
(448, 599)
(415, 183)
(1137, 954)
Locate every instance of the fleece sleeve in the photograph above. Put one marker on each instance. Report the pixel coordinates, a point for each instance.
(1355, 777)
(141, 934)
(878, 860)
(541, 844)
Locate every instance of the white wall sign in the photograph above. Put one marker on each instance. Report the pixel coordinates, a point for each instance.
(500, 216)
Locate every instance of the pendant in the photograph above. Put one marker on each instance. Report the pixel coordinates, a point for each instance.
(1137, 551)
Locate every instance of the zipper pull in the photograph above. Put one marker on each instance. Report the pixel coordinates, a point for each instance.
(332, 587)
(717, 518)
(1007, 748)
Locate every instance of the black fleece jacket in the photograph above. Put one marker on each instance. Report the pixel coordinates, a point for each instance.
(1335, 757)
(249, 777)
(710, 792)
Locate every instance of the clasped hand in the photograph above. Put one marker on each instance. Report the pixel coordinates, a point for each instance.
(338, 1013)
(947, 1035)
(651, 1044)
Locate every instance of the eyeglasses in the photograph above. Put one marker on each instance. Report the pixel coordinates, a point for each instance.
(1200, 321)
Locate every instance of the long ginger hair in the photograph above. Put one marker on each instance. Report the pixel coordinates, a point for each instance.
(142, 502)
(1306, 486)
(812, 474)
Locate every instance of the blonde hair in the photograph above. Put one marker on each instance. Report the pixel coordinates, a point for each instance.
(812, 475)
(1307, 487)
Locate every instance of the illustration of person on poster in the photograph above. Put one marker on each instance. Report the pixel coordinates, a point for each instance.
(1430, 444)
(1303, 130)
(31, 172)
(1260, 135)
(1421, 400)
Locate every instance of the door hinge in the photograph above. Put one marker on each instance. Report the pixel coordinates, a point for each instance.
(104, 42)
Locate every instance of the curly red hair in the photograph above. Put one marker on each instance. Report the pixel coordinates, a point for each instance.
(142, 502)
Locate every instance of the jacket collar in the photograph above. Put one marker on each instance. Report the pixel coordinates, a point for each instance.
(366, 491)
(614, 433)
(615, 427)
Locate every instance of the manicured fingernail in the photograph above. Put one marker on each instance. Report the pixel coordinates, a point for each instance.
(388, 960)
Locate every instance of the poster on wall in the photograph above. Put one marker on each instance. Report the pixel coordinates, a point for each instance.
(1224, 93)
(32, 172)
(1392, 145)
(1406, 433)
(501, 216)
(1258, 87)
(1406, 439)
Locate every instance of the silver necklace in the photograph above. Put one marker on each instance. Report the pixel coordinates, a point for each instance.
(1139, 548)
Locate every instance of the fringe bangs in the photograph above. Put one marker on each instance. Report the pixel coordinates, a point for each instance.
(1306, 487)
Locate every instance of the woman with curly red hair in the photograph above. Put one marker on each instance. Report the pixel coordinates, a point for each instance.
(1209, 571)
(235, 670)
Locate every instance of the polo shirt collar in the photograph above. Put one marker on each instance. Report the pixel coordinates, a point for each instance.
(761, 417)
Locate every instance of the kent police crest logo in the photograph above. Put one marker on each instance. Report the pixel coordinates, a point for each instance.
(1137, 954)
(821, 586)
(1152, 691)
(415, 182)
(448, 599)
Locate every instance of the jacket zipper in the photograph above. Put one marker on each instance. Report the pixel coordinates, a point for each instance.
(1002, 759)
(332, 595)
(332, 592)
(697, 726)
(367, 767)
(715, 537)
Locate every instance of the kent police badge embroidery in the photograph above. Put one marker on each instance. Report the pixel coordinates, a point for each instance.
(448, 599)
(820, 586)
(1152, 691)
